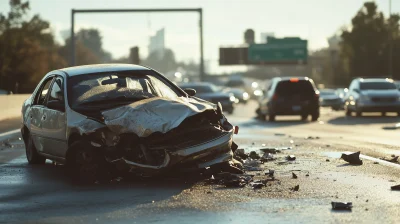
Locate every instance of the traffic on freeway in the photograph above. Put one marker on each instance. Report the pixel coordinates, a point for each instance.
(276, 129)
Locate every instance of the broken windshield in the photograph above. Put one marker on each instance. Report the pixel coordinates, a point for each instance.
(107, 90)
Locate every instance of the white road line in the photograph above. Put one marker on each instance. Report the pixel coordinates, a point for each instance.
(8, 134)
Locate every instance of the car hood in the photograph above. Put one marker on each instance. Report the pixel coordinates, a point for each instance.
(157, 114)
(210, 96)
(381, 93)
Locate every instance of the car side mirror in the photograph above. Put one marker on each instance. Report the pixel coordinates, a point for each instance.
(190, 92)
(56, 105)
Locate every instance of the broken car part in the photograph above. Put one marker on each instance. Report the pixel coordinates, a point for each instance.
(396, 187)
(342, 205)
(291, 158)
(353, 158)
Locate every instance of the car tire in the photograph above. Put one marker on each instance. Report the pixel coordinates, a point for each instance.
(359, 114)
(383, 114)
(304, 117)
(398, 114)
(89, 164)
(348, 112)
(271, 117)
(314, 117)
(32, 155)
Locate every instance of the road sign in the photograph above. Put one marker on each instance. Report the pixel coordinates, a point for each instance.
(279, 51)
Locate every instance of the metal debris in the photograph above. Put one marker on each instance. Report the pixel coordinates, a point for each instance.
(396, 188)
(342, 205)
(353, 158)
(291, 158)
(294, 176)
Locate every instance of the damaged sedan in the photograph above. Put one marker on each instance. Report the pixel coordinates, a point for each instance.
(123, 117)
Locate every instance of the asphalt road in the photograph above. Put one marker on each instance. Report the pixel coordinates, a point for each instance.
(44, 194)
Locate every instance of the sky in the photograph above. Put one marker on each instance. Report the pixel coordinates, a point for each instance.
(224, 22)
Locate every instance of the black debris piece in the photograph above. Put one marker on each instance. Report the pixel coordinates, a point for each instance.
(240, 153)
(234, 147)
(327, 160)
(328, 145)
(254, 155)
(307, 175)
(376, 162)
(342, 205)
(232, 180)
(295, 188)
(353, 158)
(396, 188)
(270, 173)
(395, 159)
(309, 137)
(291, 157)
(294, 176)
(270, 150)
(317, 137)
(257, 184)
(267, 157)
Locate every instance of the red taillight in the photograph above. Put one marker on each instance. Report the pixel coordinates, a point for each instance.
(236, 131)
(294, 80)
(275, 97)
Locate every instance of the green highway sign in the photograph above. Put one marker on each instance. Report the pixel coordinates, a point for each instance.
(291, 50)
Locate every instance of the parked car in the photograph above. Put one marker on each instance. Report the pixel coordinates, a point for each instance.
(329, 98)
(212, 93)
(240, 95)
(95, 116)
(372, 95)
(290, 96)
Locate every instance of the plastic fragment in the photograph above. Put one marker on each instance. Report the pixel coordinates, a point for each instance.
(353, 158)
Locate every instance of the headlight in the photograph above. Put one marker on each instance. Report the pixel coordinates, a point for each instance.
(258, 92)
(245, 95)
(232, 98)
(364, 98)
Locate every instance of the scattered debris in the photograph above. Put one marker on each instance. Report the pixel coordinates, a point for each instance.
(294, 176)
(376, 162)
(307, 175)
(270, 173)
(257, 184)
(295, 188)
(270, 150)
(353, 158)
(254, 155)
(279, 134)
(396, 187)
(252, 165)
(231, 180)
(328, 146)
(342, 205)
(394, 159)
(309, 137)
(291, 157)
(267, 157)
(239, 153)
(291, 141)
(327, 160)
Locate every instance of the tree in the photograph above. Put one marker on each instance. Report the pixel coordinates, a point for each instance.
(161, 61)
(28, 50)
(365, 47)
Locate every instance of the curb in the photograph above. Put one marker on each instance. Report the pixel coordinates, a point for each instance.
(10, 134)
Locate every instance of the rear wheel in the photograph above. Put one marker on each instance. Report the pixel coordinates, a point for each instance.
(398, 114)
(314, 117)
(271, 117)
(32, 155)
(383, 114)
(348, 112)
(304, 117)
(358, 113)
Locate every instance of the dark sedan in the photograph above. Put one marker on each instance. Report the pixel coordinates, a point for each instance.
(212, 93)
(240, 95)
(329, 98)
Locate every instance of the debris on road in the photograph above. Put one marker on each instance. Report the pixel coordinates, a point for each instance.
(295, 188)
(291, 158)
(267, 157)
(257, 184)
(353, 158)
(252, 165)
(394, 159)
(279, 134)
(270, 173)
(231, 180)
(311, 137)
(396, 187)
(294, 176)
(254, 155)
(327, 160)
(342, 205)
(270, 150)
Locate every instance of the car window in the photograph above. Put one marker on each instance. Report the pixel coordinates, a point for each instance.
(43, 91)
(56, 92)
(163, 89)
(288, 88)
(377, 85)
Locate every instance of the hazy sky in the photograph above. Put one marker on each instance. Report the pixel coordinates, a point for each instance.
(224, 21)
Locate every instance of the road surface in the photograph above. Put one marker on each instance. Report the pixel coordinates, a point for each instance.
(44, 194)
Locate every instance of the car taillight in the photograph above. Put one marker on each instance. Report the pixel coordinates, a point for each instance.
(316, 96)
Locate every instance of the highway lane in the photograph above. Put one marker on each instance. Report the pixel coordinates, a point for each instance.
(44, 194)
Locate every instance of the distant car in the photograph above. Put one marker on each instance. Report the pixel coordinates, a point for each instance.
(372, 95)
(212, 93)
(329, 98)
(95, 116)
(397, 84)
(240, 95)
(235, 83)
(290, 96)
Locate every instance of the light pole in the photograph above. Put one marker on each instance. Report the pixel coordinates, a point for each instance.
(390, 42)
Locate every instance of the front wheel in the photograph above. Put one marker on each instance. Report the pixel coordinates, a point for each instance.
(348, 112)
(359, 114)
(314, 117)
(32, 155)
(271, 117)
(304, 117)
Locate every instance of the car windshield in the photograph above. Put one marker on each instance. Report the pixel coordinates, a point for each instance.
(326, 92)
(288, 88)
(107, 90)
(377, 85)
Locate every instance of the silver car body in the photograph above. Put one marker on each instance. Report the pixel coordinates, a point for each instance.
(53, 131)
(372, 100)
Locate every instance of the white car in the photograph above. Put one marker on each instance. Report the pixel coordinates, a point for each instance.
(92, 117)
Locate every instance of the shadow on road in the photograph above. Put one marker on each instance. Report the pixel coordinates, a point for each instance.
(364, 120)
(46, 191)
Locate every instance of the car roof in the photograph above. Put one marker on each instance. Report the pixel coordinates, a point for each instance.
(287, 78)
(96, 68)
(375, 80)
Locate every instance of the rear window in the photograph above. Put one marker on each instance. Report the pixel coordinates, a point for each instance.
(377, 85)
(288, 88)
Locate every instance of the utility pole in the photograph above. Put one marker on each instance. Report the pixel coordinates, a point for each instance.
(390, 42)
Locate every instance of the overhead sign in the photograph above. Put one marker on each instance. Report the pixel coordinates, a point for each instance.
(279, 51)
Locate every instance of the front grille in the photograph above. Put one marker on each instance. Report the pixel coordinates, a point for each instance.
(383, 99)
